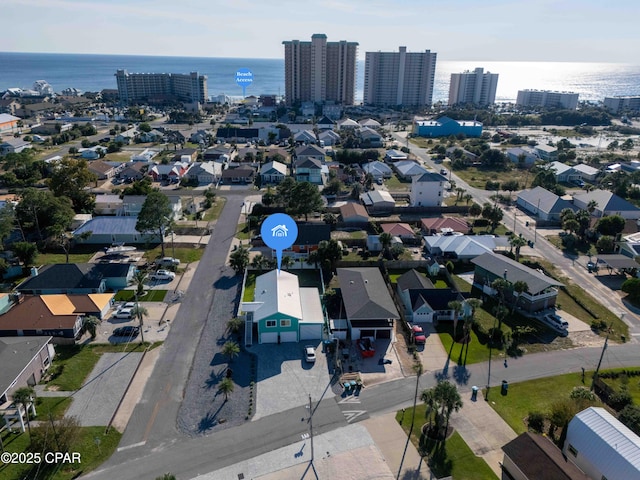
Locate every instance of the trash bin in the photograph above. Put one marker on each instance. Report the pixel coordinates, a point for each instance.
(505, 387)
(474, 393)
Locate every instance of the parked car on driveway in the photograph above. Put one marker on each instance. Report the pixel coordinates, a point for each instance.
(168, 262)
(163, 275)
(556, 323)
(127, 331)
(310, 354)
(124, 313)
(418, 335)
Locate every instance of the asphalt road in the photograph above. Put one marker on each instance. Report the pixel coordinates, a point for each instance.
(187, 457)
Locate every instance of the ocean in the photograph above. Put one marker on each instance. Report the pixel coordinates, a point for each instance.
(593, 81)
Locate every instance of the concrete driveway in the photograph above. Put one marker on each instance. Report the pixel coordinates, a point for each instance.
(285, 379)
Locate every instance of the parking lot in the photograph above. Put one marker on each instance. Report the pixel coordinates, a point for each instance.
(285, 379)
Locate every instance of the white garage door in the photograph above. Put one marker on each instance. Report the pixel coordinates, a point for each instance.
(310, 332)
(289, 337)
(269, 337)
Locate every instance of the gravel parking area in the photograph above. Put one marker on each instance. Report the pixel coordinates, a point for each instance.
(285, 379)
(96, 402)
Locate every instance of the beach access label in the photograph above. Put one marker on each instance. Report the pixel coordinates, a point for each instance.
(279, 231)
(244, 78)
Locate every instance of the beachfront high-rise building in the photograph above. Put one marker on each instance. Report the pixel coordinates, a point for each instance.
(477, 87)
(161, 87)
(622, 104)
(547, 99)
(399, 78)
(319, 71)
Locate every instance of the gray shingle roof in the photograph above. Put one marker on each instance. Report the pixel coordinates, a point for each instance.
(365, 294)
(15, 354)
(413, 279)
(73, 276)
(497, 264)
(607, 201)
(549, 201)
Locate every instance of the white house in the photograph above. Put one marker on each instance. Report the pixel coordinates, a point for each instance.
(205, 172)
(427, 190)
(601, 446)
(92, 153)
(328, 138)
(542, 203)
(395, 156)
(13, 145)
(514, 154)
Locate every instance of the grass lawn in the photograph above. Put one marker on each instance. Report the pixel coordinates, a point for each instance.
(463, 286)
(91, 456)
(423, 142)
(51, 258)
(243, 232)
(478, 352)
(56, 406)
(149, 296)
(478, 177)
(533, 396)
(184, 254)
(457, 460)
(394, 184)
(249, 287)
(76, 362)
(214, 212)
(578, 248)
(118, 157)
(632, 383)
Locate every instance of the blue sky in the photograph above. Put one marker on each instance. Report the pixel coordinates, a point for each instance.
(535, 30)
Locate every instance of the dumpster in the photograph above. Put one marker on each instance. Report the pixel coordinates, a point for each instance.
(505, 387)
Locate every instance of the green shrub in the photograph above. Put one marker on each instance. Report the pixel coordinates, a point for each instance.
(536, 421)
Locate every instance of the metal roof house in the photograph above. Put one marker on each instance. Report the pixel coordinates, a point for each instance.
(608, 203)
(283, 311)
(543, 204)
(378, 200)
(542, 289)
(107, 230)
(368, 304)
(601, 446)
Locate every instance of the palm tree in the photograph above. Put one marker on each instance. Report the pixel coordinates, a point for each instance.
(385, 241)
(239, 259)
(456, 306)
(474, 304)
(449, 399)
(226, 386)
(517, 242)
(140, 312)
(139, 280)
(519, 288)
(259, 262)
(25, 396)
(235, 324)
(287, 262)
(231, 349)
(591, 206)
(167, 476)
(90, 324)
(428, 397)
(467, 198)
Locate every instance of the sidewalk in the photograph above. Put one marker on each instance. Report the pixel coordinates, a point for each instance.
(483, 430)
(390, 440)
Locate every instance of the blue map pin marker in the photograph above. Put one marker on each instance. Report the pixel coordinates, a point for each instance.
(279, 231)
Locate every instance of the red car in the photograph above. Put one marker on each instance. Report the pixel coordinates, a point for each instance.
(418, 334)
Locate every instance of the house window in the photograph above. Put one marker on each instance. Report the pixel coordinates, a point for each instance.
(285, 323)
(271, 323)
(573, 451)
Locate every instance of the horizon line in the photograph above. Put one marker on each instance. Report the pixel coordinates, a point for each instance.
(282, 58)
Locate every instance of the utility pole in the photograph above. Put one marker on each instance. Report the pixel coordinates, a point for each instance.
(311, 425)
(604, 348)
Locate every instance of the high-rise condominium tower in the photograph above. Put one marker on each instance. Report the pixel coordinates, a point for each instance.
(159, 87)
(475, 87)
(399, 78)
(319, 71)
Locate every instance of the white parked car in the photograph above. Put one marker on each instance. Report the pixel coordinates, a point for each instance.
(310, 354)
(555, 322)
(125, 313)
(168, 262)
(163, 275)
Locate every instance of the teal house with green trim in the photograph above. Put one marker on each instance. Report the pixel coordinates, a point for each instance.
(282, 311)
